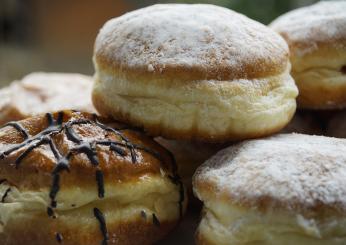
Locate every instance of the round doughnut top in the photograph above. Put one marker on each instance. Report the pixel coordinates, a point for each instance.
(288, 171)
(306, 29)
(76, 146)
(197, 42)
(41, 92)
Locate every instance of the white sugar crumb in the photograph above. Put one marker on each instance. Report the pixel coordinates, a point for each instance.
(182, 35)
(296, 170)
(321, 22)
(151, 68)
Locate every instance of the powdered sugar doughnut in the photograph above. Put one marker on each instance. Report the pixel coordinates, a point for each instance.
(316, 36)
(193, 72)
(286, 189)
(42, 92)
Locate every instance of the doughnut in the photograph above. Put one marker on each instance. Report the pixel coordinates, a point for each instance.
(74, 178)
(193, 72)
(336, 126)
(286, 189)
(316, 36)
(41, 92)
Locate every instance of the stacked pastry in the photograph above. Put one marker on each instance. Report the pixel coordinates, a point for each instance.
(199, 74)
(290, 188)
(316, 36)
(199, 78)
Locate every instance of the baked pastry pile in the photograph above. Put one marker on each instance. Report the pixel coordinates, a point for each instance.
(199, 78)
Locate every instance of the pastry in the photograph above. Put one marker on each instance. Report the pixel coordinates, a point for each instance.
(316, 36)
(41, 92)
(73, 178)
(286, 189)
(194, 72)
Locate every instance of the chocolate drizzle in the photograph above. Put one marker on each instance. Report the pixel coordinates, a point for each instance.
(122, 147)
(156, 221)
(42, 138)
(19, 127)
(50, 212)
(175, 178)
(5, 194)
(343, 69)
(99, 216)
(58, 237)
(100, 183)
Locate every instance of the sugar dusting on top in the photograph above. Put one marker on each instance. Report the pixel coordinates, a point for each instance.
(291, 170)
(41, 92)
(183, 35)
(321, 22)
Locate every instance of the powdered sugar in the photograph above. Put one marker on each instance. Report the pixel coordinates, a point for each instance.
(41, 92)
(322, 22)
(184, 35)
(293, 170)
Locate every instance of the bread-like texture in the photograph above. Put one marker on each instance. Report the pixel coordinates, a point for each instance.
(142, 199)
(286, 189)
(336, 126)
(316, 36)
(41, 92)
(193, 72)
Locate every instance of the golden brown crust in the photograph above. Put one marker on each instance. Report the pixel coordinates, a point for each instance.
(202, 240)
(44, 232)
(148, 44)
(251, 70)
(321, 97)
(220, 72)
(34, 170)
(193, 134)
(10, 113)
(86, 178)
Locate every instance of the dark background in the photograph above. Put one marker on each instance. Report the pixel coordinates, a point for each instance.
(58, 35)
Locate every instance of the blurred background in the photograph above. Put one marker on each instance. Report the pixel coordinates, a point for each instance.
(58, 35)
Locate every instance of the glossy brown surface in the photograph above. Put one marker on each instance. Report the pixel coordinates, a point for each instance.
(45, 159)
(34, 171)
